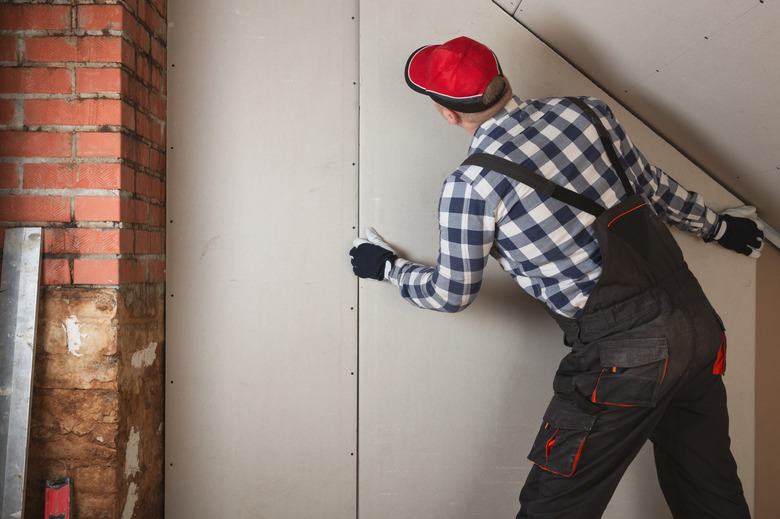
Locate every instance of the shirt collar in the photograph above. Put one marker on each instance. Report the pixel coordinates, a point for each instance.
(510, 107)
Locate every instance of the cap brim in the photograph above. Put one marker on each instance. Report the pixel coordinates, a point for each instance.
(415, 68)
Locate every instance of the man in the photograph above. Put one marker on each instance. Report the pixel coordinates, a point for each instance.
(555, 190)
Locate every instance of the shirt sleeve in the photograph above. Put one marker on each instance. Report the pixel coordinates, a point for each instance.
(466, 230)
(676, 205)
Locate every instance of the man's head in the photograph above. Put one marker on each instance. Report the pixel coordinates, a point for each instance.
(462, 77)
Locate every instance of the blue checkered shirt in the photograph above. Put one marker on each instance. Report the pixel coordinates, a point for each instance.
(547, 247)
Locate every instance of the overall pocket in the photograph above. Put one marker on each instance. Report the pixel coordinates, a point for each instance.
(561, 437)
(632, 371)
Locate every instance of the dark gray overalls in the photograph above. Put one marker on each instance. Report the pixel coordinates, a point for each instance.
(645, 362)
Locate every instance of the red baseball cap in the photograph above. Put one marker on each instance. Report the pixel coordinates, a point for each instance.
(454, 74)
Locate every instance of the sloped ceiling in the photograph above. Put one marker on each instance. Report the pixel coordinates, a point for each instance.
(705, 74)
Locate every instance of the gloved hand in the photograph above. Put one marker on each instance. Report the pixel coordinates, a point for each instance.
(739, 230)
(371, 258)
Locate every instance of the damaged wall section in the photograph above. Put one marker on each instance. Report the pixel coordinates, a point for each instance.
(97, 412)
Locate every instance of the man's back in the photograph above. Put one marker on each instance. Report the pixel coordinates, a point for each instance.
(546, 245)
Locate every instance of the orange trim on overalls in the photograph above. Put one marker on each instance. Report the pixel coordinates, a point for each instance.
(719, 368)
(550, 443)
(618, 216)
(613, 369)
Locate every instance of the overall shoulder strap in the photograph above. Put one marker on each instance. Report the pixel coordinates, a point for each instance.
(534, 181)
(606, 142)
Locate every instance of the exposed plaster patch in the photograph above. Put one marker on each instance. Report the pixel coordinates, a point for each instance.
(72, 328)
(145, 357)
(132, 498)
(132, 467)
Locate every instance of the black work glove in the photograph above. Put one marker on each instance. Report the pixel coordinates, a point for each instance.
(738, 230)
(370, 256)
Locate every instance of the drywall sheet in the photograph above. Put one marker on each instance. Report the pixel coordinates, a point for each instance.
(703, 72)
(449, 404)
(262, 200)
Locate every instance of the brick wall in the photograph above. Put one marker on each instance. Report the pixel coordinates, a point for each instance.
(82, 154)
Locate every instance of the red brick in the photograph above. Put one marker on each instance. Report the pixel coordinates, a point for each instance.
(99, 272)
(137, 271)
(35, 209)
(103, 50)
(99, 144)
(9, 178)
(128, 54)
(159, 53)
(136, 151)
(148, 242)
(108, 272)
(8, 48)
(143, 68)
(157, 215)
(148, 185)
(133, 5)
(157, 161)
(52, 48)
(56, 272)
(105, 176)
(142, 242)
(143, 155)
(99, 80)
(35, 81)
(101, 209)
(35, 144)
(100, 17)
(70, 176)
(7, 110)
(138, 34)
(87, 49)
(156, 242)
(126, 240)
(155, 22)
(157, 106)
(95, 112)
(137, 92)
(143, 6)
(34, 17)
(88, 241)
(49, 176)
(156, 79)
(128, 117)
(156, 271)
(143, 125)
(161, 6)
(139, 212)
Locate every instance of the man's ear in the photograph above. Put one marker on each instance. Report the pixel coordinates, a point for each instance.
(450, 116)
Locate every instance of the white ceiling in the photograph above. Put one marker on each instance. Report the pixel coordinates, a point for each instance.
(705, 74)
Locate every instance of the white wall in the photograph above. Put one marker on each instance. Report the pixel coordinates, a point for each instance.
(266, 320)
